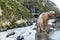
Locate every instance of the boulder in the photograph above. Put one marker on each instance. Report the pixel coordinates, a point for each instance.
(30, 23)
(20, 37)
(34, 28)
(10, 33)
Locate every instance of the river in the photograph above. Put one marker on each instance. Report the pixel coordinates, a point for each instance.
(28, 33)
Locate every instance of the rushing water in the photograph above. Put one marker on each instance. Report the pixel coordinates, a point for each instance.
(55, 35)
(28, 33)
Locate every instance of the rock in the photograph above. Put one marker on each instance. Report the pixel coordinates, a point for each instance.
(29, 32)
(30, 23)
(3, 29)
(41, 36)
(34, 28)
(20, 37)
(10, 33)
(35, 20)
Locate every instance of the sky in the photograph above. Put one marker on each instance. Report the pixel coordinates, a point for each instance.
(57, 2)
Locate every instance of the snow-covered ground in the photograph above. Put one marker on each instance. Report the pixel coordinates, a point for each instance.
(27, 32)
